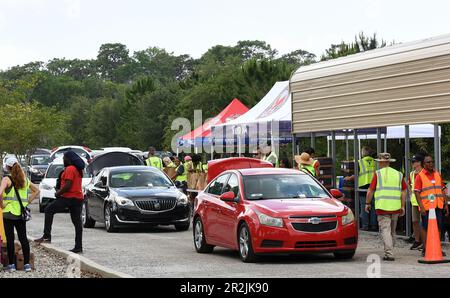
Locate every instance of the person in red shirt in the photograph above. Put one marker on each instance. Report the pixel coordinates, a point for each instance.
(390, 202)
(69, 196)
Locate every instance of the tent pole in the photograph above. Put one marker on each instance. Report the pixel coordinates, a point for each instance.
(378, 140)
(385, 142)
(436, 147)
(356, 151)
(294, 149)
(313, 140)
(347, 147)
(407, 171)
(440, 150)
(333, 156)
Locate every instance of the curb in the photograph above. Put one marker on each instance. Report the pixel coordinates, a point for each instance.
(86, 264)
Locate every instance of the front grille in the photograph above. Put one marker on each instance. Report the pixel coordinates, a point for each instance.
(271, 243)
(311, 228)
(310, 216)
(315, 244)
(157, 205)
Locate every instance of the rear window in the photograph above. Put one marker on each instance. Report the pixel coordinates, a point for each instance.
(139, 179)
(53, 172)
(40, 160)
(268, 187)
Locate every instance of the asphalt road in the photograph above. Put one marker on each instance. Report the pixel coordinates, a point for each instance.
(163, 252)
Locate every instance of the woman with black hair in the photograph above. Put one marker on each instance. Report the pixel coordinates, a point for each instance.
(14, 187)
(70, 196)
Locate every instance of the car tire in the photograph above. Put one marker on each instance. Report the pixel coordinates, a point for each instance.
(245, 245)
(88, 222)
(110, 220)
(348, 255)
(201, 246)
(183, 227)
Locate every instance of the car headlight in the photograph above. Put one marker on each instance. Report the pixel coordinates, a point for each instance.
(183, 199)
(46, 186)
(267, 220)
(34, 171)
(349, 218)
(121, 201)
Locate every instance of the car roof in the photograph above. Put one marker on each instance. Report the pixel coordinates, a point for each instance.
(269, 171)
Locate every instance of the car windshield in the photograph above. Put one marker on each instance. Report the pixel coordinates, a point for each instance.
(137, 179)
(269, 187)
(55, 169)
(40, 160)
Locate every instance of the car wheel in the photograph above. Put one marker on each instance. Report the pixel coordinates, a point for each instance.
(199, 238)
(88, 222)
(245, 245)
(183, 227)
(110, 220)
(344, 255)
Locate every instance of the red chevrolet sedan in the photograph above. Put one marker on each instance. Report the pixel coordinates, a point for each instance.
(267, 211)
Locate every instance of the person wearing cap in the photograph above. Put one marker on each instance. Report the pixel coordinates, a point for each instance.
(69, 196)
(14, 187)
(417, 162)
(430, 192)
(153, 160)
(389, 189)
(306, 163)
(367, 168)
(169, 167)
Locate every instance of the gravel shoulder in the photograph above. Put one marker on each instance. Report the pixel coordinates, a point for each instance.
(49, 265)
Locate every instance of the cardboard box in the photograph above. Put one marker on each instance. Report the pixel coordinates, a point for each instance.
(20, 260)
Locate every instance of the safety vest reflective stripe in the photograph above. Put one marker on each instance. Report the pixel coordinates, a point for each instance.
(309, 169)
(413, 195)
(388, 193)
(432, 189)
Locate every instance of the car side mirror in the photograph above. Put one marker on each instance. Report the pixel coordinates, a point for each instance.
(228, 196)
(336, 193)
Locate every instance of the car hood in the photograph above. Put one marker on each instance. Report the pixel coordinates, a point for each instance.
(134, 193)
(301, 207)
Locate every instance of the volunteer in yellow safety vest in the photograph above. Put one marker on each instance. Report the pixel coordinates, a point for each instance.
(181, 172)
(417, 161)
(153, 160)
(389, 189)
(316, 163)
(12, 189)
(271, 156)
(367, 168)
(430, 193)
(305, 163)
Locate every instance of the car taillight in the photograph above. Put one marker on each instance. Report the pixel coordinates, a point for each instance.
(54, 149)
(87, 149)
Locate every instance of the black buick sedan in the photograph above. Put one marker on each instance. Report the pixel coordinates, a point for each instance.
(134, 195)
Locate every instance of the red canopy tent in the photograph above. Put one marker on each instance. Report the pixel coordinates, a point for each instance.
(202, 134)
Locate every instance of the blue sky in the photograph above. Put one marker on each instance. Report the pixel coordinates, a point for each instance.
(43, 29)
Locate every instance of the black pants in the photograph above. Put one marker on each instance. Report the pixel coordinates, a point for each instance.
(21, 228)
(59, 206)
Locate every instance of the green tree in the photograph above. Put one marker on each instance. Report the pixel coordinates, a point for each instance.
(113, 62)
(29, 126)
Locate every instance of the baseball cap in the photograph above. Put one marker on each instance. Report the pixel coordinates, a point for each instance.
(11, 161)
(417, 157)
(188, 158)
